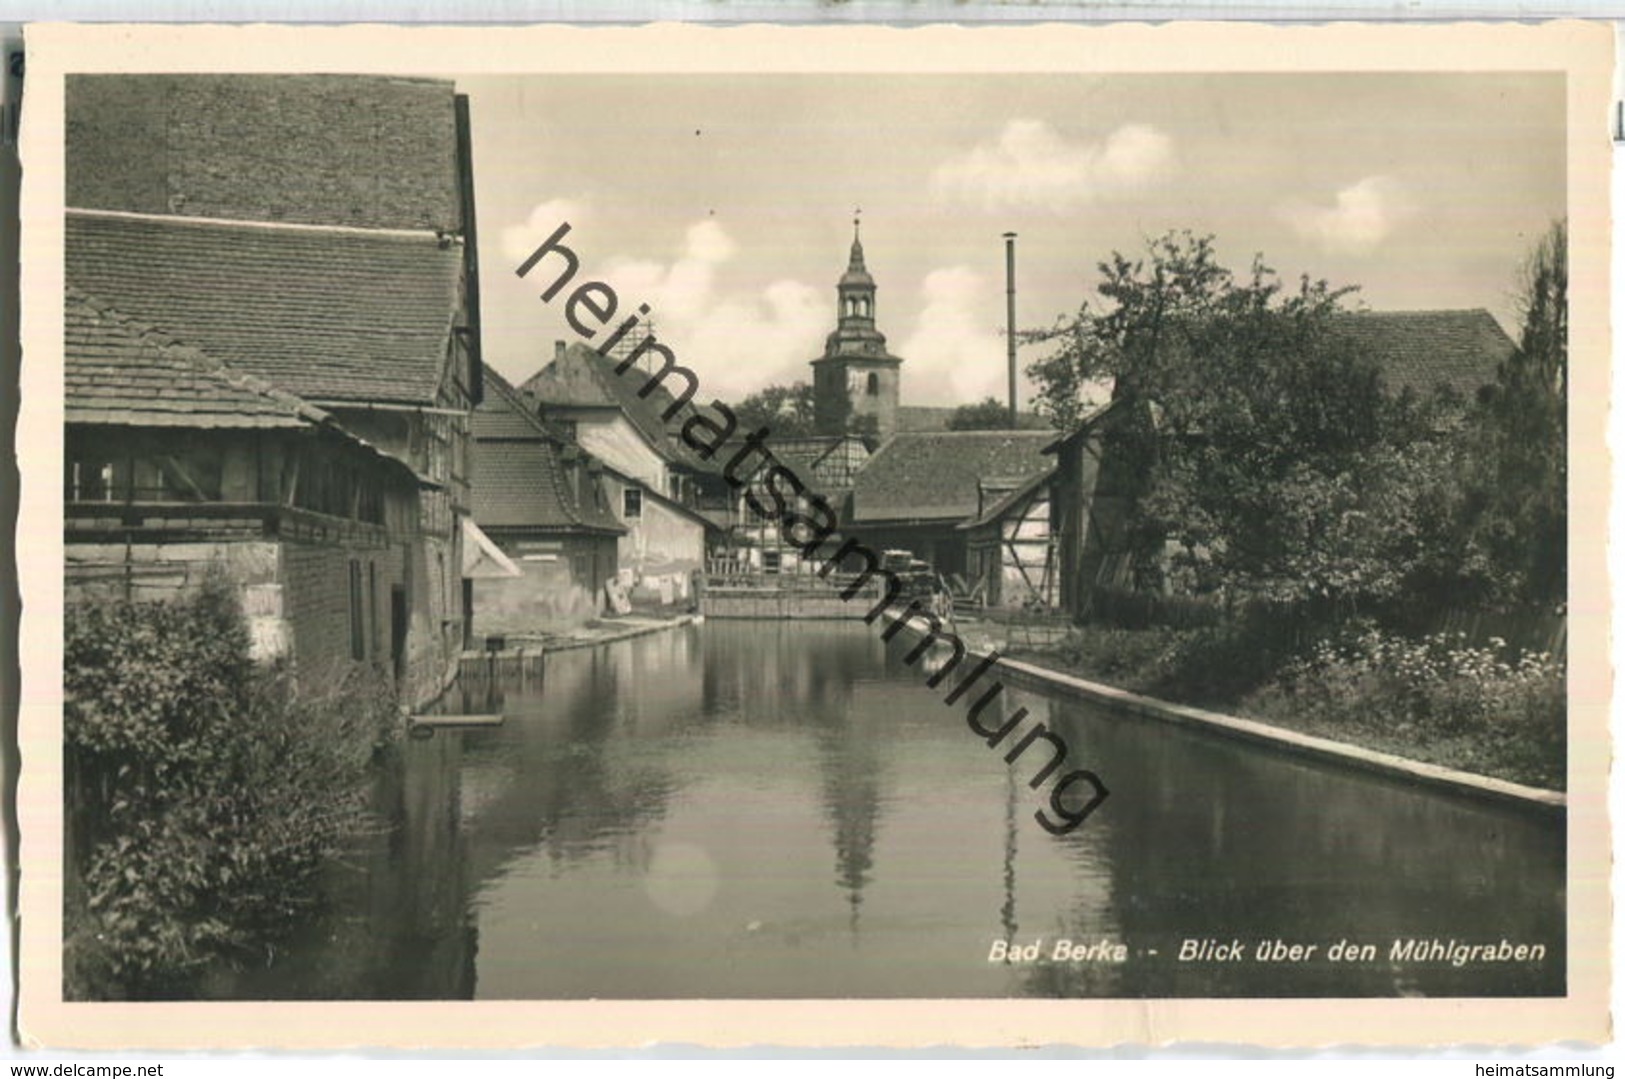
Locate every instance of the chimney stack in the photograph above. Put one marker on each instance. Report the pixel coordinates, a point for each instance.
(558, 350)
(1010, 317)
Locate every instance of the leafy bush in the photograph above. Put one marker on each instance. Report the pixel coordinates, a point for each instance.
(1437, 698)
(204, 790)
(1135, 659)
(1476, 707)
(1212, 665)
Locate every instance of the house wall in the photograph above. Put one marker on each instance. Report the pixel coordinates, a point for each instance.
(561, 587)
(296, 597)
(661, 540)
(291, 567)
(436, 445)
(613, 440)
(995, 565)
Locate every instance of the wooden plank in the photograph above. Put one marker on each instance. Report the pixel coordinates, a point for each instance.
(474, 720)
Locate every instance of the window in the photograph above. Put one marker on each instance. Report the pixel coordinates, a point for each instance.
(94, 479)
(142, 468)
(632, 503)
(358, 638)
(874, 384)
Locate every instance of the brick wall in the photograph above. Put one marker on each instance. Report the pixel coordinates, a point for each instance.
(150, 572)
(296, 597)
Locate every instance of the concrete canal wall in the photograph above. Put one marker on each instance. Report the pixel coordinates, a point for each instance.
(792, 595)
(1022, 675)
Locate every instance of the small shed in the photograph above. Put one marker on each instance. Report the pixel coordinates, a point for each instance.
(1010, 544)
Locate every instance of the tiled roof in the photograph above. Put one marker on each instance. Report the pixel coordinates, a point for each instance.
(325, 314)
(119, 371)
(935, 418)
(519, 480)
(581, 378)
(505, 413)
(521, 485)
(1427, 350)
(365, 151)
(933, 476)
(1004, 503)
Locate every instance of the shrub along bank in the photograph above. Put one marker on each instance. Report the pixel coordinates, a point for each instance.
(1487, 709)
(203, 791)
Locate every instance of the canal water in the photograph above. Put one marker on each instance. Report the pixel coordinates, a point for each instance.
(784, 810)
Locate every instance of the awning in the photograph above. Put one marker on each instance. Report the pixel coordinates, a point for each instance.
(482, 558)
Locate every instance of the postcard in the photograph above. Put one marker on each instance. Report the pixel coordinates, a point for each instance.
(814, 536)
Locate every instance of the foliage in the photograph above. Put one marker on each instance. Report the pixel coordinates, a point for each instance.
(786, 411)
(1134, 659)
(1241, 422)
(206, 789)
(1484, 708)
(1212, 665)
(792, 412)
(1497, 713)
(987, 414)
(1517, 508)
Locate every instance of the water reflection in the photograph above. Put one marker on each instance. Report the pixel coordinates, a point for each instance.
(785, 810)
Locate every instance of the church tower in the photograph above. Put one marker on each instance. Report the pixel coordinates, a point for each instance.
(856, 377)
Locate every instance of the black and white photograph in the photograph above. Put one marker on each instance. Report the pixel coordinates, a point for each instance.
(881, 534)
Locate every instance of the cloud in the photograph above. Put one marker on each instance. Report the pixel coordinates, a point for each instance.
(735, 341)
(1031, 165)
(956, 351)
(518, 241)
(1363, 215)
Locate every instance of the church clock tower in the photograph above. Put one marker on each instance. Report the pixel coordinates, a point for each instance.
(856, 377)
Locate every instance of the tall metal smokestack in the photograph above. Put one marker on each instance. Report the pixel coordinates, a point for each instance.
(1010, 316)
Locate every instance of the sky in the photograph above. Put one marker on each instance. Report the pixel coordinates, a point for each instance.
(726, 203)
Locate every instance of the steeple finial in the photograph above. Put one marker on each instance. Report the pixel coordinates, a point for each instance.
(855, 263)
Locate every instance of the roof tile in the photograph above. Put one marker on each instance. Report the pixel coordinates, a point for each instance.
(934, 475)
(119, 371)
(366, 151)
(519, 479)
(1426, 350)
(328, 315)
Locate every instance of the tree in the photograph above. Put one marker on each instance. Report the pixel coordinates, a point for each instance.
(986, 415)
(786, 411)
(1520, 501)
(1241, 428)
(791, 412)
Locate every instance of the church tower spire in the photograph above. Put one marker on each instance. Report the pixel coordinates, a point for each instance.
(855, 381)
